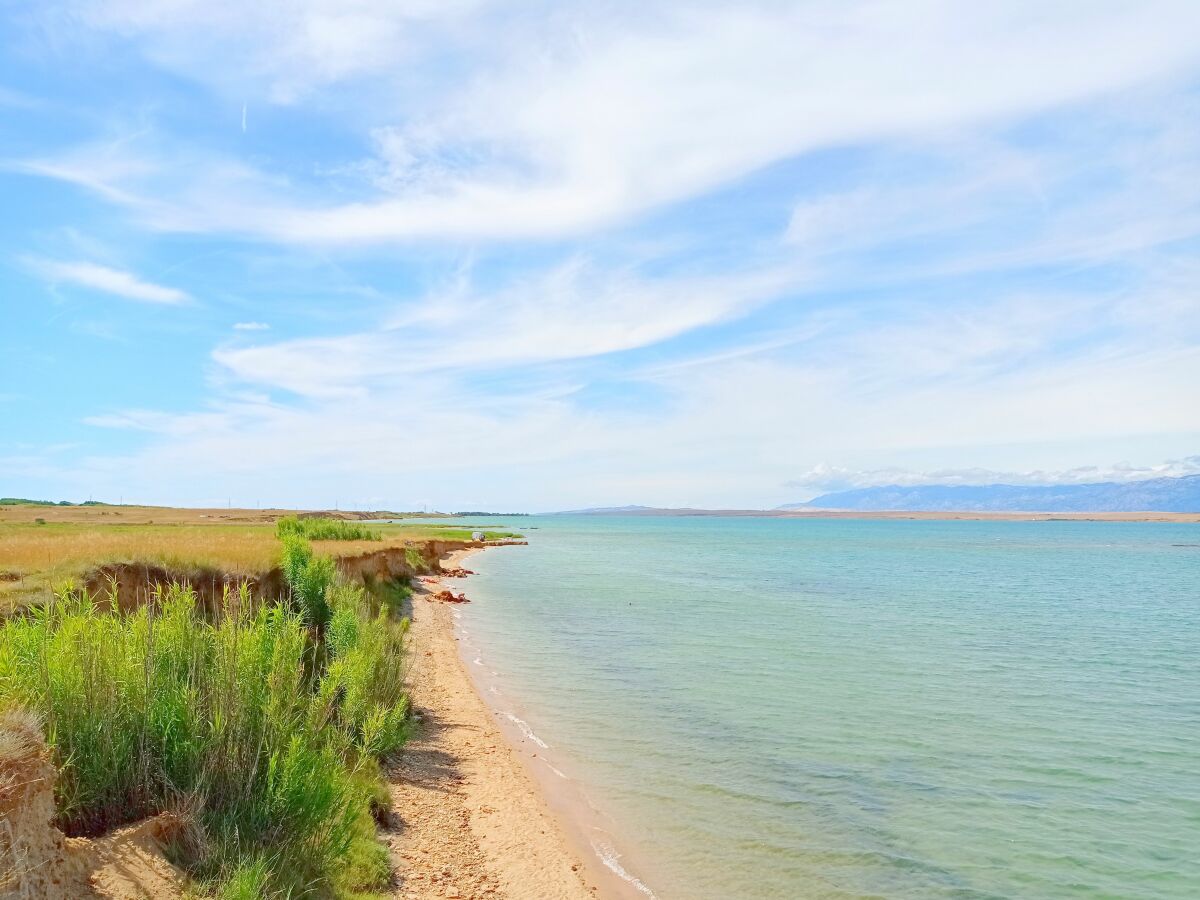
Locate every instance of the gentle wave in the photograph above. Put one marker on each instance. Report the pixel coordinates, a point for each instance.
(917, 710)
(612, 859)
(526, 730)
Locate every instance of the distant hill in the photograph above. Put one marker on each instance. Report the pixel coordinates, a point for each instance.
(1157, 494)
(604, 511)
(20, 501)
(477, 513)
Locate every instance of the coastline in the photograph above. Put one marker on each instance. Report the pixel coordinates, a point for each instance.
(471, 819)
(915, 515)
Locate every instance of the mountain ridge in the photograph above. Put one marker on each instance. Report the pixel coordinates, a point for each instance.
(1167, 494)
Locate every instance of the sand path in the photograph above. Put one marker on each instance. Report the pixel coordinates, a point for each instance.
(470, 822)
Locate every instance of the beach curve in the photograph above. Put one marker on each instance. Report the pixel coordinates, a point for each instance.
(469, 820)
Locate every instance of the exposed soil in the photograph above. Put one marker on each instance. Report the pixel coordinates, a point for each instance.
(38, 862)
(135, 583)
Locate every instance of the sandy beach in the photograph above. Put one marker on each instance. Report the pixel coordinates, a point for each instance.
(470, 821)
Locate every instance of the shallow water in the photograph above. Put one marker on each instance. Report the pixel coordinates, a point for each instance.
(770, 708)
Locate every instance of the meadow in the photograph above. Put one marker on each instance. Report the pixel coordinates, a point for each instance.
(261, 729)
(42, 547)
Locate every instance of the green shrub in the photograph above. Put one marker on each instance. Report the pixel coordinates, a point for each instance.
(273, 756)
(416, 561)
(309, 578)
(325, 529)
(393, 596)
(365, 674)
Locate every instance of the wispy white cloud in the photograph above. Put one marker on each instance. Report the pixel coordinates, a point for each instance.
(732, 436)
(1113, 186)
(920, 307)
(573, 311)
(285, 50)
(109, 281)
(824, 478)
(732, 429)
(612, 118)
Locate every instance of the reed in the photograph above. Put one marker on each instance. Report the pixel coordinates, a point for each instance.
(319, 529)
(263, 727)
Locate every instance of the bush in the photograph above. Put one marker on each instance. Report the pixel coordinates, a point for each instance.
(325, 529)
(365, 674)
(416, 562)
(273, 756)
(309, 578)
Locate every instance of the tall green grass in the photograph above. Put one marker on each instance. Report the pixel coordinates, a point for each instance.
(325, 529)
(264, 730)
(309, 578)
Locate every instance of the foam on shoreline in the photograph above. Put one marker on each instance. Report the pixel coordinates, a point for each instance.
(561, 796)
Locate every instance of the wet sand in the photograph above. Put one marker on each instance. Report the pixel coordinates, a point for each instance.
(470, 821)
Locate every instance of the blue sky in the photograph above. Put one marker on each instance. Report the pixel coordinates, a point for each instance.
(533, 256)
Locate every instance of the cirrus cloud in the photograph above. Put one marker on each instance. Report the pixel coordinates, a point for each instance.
(107, 280)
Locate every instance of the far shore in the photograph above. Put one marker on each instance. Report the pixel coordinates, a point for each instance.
(932, 515)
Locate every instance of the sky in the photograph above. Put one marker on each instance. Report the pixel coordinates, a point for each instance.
(521, 256)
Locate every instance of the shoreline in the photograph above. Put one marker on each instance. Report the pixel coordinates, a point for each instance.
(471, 818)
(586, 829)
(916, 515)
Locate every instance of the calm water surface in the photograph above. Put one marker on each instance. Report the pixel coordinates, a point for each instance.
(768, 708)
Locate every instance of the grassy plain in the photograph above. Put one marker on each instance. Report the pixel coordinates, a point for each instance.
(42, 547)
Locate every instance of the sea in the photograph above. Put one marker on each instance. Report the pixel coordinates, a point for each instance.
(791, 708)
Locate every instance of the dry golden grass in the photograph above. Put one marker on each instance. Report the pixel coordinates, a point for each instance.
(162, 515)
(28, 549)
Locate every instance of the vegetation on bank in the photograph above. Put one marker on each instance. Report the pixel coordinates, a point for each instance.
(318, 529)
(35, 558)
(263, 729)
(463, 533)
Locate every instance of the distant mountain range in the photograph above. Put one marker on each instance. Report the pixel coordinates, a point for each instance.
(1157, 494)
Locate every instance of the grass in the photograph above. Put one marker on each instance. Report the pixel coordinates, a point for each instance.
(100, 513)
(35, 558)
(320, 529)
(463, 533)
(309, 577)
(265, 727)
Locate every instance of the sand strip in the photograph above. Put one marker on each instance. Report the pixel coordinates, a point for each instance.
(469, 820)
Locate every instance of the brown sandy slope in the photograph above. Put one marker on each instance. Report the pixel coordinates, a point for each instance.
(38, 863)
(470, 821)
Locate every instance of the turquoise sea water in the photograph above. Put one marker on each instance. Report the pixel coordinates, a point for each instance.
(769, 708)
